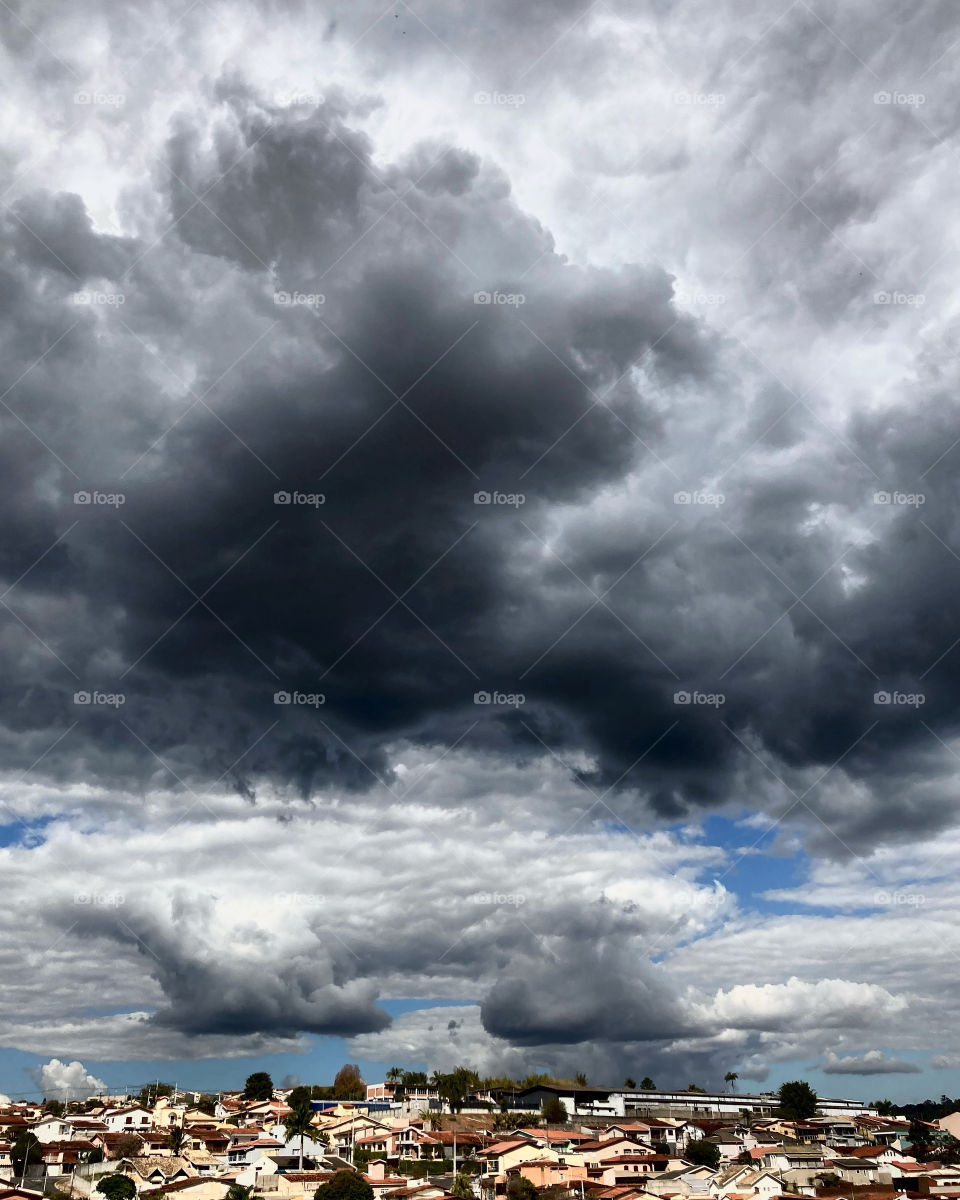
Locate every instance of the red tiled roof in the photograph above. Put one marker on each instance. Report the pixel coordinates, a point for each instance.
(180, 1184)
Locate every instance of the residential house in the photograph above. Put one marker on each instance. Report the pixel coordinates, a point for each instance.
(630, 1168)
(242, 1153)
(381, 1180)
(113, 1144)
(127, 1120)
(417, 1191)
(746, 1180)
(602, 1149)
(166, 1113)
(548, 1172)
(857, 1171)
(682, 1181)
(51, 1129)
(153, 1171)
(190, 1189)
(501, 1156)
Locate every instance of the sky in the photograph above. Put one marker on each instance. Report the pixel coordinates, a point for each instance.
(479, 568)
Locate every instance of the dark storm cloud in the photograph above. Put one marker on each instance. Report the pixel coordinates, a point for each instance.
(610, 998)
(314, 598)
(398, 397)
(312, 990)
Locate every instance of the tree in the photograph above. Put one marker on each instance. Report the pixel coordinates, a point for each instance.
(694, 1087)
(798, 1100)
(26, 1146)
(520, 1188)
(259, 1086)
(919, 1137)
(176, 1138)
(554, 1111)
(948, 1152)
(703, 1153)
(731, 1077)
(348, 1085)
(661, 1147)
(236, 1191)
(580, 1079)
(345, 1185)
(395, 1075)
(54, 1107)
(885, 1108)
(207, 1103)
(127, 1146)
(298, 1124)
(300, 1095)
(629, 1082)
(512, 1120)
(151, 1093)
(647, 1084)
(455, 1087)
(117, 1187)
(461, 1187)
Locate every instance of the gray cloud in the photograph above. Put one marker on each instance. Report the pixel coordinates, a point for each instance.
(873, 1062)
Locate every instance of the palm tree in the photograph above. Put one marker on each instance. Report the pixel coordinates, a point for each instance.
(298, 1124)
(395, 1074)
(731, 1077)
(236, 1191)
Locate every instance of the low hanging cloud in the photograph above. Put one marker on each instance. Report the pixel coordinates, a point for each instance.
(873, 1062)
